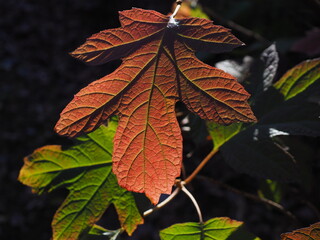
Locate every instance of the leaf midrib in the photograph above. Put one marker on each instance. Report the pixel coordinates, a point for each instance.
(157, 57)
(83, 207)
(287, 87)
(101, 164)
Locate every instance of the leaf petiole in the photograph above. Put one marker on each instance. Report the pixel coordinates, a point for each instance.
(201, 165)
(173, 22)
(163, 203)
(194, 201)
(179, 2)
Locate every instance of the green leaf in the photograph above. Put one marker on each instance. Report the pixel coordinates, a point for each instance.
(198, 12)
(85, 169)
(255, 150)
(98, 230)
(217, 228)
(270, 190)
(299, 78)
(221, 134)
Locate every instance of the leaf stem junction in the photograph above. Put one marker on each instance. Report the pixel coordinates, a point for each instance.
(173, 22)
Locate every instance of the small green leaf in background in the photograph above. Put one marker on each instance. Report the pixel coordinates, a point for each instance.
(308, 233)
(220, 134)
(217, 228)
(198, 12)
(297, 79)
(86, 170)
(271, 190)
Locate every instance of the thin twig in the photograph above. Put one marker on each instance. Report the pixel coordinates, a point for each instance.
(183, 172)
(285, 151)
(253, 197)
(163, 203)
(200, 166)
(179, 2)
(172, 22)
(185, 190)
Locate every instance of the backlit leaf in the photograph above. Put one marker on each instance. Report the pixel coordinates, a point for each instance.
(198, 12)
(272, 190)
(158, 69)
(221, 134)
(85, 169)
(190, 9)
(297, 79)
(216, 228)
(309, 233)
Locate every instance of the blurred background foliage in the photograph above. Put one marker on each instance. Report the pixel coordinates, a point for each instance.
(38, 78)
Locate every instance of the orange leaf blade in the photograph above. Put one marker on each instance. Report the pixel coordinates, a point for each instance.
(202, 35)
(148, 143)
(209, 92)
(138, 26)
(95, 103)
(159, 68)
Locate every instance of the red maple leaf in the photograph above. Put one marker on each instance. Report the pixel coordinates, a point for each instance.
(159, 68)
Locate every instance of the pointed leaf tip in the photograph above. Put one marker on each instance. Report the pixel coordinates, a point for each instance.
(299, 78)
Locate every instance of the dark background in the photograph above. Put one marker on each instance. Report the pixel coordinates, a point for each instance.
(38, 78)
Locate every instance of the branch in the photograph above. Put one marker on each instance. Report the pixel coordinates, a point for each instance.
(253, 197)
(201, 165)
